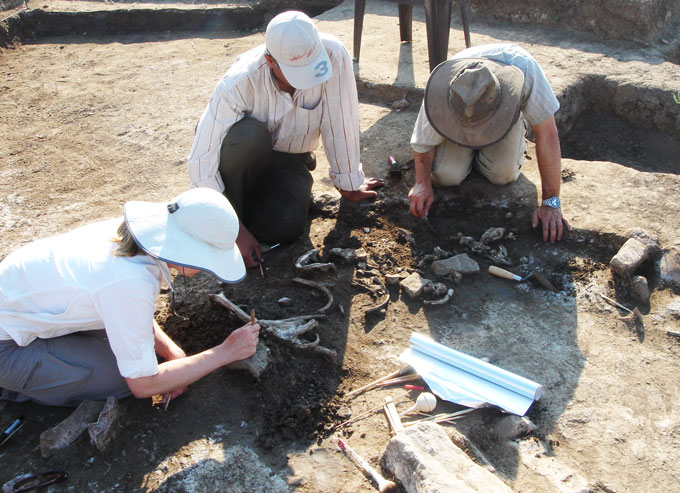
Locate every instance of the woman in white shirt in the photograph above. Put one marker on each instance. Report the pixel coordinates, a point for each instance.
(77, 309)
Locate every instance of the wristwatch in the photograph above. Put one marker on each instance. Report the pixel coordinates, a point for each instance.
(553, 202)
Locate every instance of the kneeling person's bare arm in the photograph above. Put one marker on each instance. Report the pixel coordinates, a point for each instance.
(181, 372)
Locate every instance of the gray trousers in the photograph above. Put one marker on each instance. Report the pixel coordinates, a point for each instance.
(62, 371)
(269, 190)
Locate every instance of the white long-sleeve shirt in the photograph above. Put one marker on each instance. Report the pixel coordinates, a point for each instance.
(73, 282)
(329, 110)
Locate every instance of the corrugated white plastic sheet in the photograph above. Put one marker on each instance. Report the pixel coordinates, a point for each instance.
(458, 377)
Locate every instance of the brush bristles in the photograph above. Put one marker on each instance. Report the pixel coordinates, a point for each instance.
(389, 487)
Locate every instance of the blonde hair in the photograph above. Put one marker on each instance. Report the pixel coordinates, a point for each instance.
(127, 246)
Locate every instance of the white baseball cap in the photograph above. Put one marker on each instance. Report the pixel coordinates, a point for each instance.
(293, 41)
(197, 229)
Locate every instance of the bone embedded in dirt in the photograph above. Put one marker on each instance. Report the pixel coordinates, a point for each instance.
(423, 458)
(414, 284)
(459, 263)
(61, 436)
(102, 432)
(629, 257)
(346, 254)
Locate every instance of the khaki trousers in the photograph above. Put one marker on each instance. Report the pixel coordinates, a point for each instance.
(499, 163)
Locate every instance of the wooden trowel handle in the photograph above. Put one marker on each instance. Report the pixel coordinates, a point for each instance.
(497, 271)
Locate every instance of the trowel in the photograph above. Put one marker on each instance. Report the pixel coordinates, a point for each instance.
(537, 276)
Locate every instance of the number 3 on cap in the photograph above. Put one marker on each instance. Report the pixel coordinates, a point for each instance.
(321, 68)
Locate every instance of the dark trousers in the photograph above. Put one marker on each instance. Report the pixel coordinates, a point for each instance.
(270, 190)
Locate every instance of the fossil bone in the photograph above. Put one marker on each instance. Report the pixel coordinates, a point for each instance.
(287, 330)
(309, 261)
(440, 301)
(384, 302)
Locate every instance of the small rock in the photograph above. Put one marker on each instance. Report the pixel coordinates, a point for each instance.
(640, 289)
(464, 240)
(512, 427)
(361, 255)
(651, 241)
(455, 277)
(674, 308)
(393, 279)
(492, 235)
(670, 268)
(367, 230)
(629, 257)
(439, 253)
(406, 236)
(256, 364)
(285, 301)
(458, 263)
(413, 285)
(344, 412)
(425, 260)
(401, 104)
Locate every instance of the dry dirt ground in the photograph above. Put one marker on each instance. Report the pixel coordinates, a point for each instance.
(90, 120)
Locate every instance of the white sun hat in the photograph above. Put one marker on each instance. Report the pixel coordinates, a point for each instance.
(197, 229)
(293, 41)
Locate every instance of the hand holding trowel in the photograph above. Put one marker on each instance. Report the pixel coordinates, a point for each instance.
(535, 275)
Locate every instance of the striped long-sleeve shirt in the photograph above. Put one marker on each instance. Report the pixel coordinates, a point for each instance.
(329, 110)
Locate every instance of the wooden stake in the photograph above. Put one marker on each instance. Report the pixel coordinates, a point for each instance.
(393, 416)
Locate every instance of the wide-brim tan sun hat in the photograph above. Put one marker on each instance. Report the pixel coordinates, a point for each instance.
(473, 101)
(198, 229)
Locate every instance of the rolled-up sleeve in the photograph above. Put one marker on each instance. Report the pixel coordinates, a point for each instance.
(340, 122)
(424, 136)
(127, 309)
(204, 159)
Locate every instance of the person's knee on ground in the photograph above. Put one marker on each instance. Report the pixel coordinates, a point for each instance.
(62, 371)
(452, 164)
(500, 163)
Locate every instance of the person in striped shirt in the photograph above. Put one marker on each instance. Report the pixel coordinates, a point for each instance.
(475, 111)
(255, 139)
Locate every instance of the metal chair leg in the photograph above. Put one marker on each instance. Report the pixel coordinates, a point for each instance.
(405, 21)
(359, 9)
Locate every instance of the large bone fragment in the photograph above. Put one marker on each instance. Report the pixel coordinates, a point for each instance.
(286, 330)
(309, 261)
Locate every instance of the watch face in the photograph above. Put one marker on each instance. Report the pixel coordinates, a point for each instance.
(552, 202)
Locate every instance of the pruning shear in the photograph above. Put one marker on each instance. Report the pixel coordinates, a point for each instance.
(32, 482)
